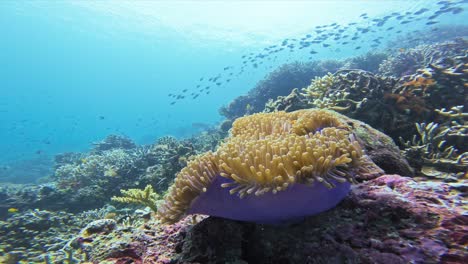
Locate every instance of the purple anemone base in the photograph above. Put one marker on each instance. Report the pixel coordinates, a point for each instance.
(296, 202)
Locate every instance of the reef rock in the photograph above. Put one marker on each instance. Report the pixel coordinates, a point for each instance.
(391, 219)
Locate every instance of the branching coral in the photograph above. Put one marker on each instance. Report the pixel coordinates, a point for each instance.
(293, 101)
(317, 93)
(280, 82)
(408, 61)
(268, 155)
(431, 146)
(454, 112)
(440, 82)
(319, 86)
(353, 92)
(147, 197)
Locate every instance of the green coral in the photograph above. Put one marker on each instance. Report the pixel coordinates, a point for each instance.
(147, 197)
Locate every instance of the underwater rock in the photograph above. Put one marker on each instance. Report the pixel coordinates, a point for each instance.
(380, 148)
(144, 243)
(391, 219)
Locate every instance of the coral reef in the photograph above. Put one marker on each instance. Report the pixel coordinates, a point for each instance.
(113, 142)
(406, 62)
(280, 154)
(439, 85)
(355, 93)
(386, 103)
(278, 83)
(427, 36)
(67, 158)
(390, 219)
(369, 62)
(440, 147)
(169, 156)
(84, 181)
(431, 147)
(209, 140)
(33, 234)
(98, 177)
(318, 88)
(26, 171)
(312, 173)
(38, 236)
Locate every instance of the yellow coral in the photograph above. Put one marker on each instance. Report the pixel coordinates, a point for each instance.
(146, 197)
(319, 86)
(269, 152)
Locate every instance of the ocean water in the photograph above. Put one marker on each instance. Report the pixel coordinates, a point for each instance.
(76, 71)
(158, 85)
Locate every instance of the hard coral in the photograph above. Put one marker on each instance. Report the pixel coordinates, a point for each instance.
(280, 82)
(113, 142)
(146, 197)
(308, 156)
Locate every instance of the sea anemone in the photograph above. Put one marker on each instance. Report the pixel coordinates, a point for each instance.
(274, 167)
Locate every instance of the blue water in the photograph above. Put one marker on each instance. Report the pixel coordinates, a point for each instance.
(74, 72)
